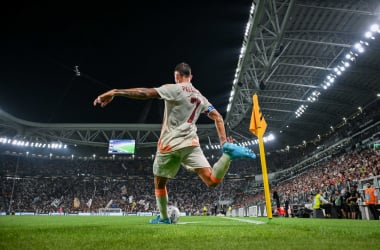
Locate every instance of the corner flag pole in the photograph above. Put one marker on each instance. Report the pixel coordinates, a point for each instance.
(257, 127)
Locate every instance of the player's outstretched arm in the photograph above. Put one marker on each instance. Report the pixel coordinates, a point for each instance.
(133, 93)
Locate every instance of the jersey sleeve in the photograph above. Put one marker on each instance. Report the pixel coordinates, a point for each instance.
(207, 107)
(168, 92)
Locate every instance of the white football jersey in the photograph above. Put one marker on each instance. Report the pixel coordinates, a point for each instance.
(183, 105)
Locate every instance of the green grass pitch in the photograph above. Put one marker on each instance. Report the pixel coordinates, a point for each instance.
(201, 232)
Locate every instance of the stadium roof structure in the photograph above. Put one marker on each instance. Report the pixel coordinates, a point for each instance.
(291, 50)
(313, 65)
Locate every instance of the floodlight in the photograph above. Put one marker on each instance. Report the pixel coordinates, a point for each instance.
(368, 34)
(374, 28)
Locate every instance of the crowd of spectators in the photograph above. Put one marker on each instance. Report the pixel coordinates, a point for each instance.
(131, 195)
(134, 193)
(337, 173)
(48, 184)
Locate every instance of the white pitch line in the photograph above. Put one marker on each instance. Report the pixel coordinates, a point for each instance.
(188, 222)
(244, 220)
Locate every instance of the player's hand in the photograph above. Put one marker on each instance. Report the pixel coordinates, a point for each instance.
(228, 139)
(103, 99)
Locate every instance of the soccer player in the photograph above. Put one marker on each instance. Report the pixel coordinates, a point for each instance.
(178, 143)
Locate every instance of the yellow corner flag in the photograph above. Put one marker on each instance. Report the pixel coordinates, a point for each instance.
(258, 123)
(257, 126)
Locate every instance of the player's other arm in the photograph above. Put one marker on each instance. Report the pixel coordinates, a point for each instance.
(133, 93)
(219, 124)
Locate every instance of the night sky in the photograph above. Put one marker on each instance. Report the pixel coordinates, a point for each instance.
(114, 46)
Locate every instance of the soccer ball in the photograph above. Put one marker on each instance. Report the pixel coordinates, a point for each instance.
(173, 213)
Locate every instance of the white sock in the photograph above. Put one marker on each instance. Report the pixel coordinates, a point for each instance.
(162, 203)
(221, 167)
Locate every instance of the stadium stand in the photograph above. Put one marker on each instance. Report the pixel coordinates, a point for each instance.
(43, 185)
(39, 184)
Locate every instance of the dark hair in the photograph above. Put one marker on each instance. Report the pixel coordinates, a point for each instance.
(183, 69)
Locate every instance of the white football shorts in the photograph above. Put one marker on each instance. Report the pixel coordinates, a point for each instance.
(168, 164)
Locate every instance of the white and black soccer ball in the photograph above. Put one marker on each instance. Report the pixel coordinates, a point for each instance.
(173, 213)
